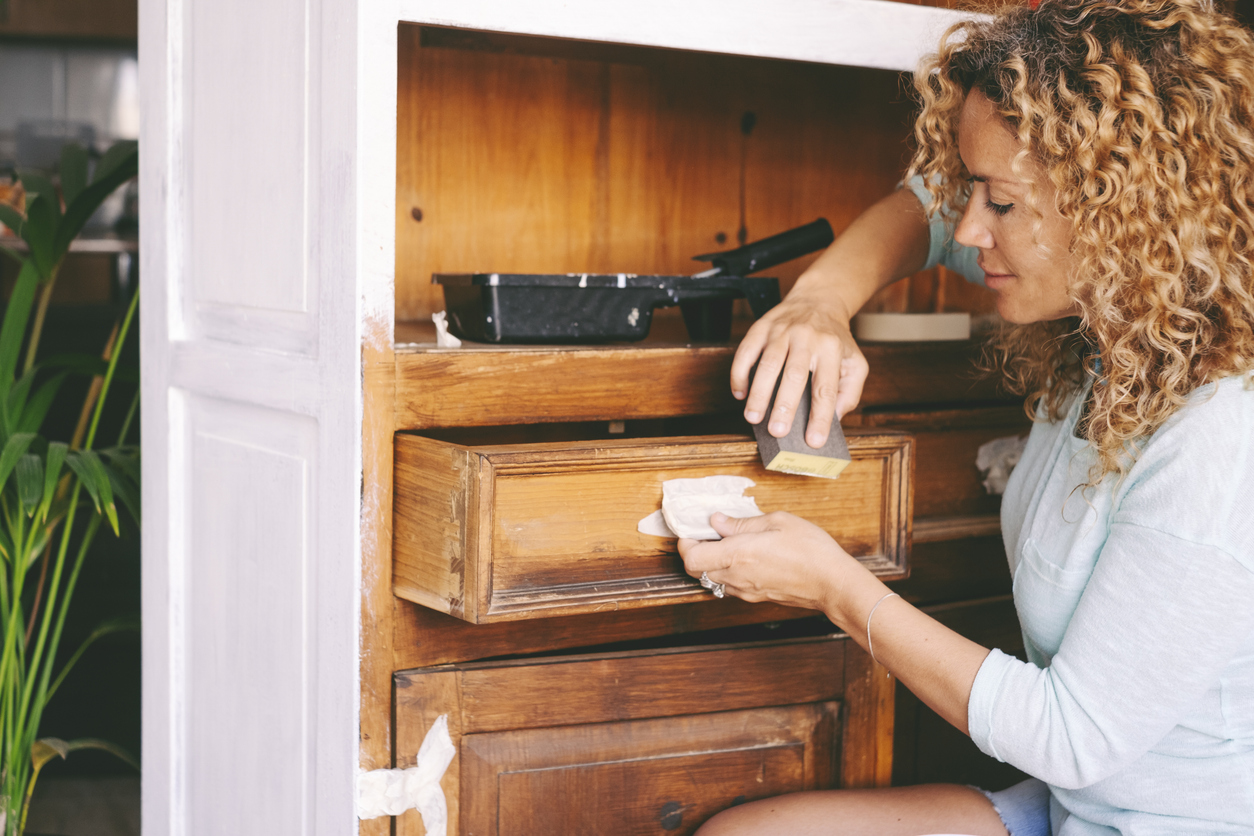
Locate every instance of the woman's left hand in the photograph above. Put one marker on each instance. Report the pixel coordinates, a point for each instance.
(777, 557)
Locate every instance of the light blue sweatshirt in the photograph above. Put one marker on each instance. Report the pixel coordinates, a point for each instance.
(1136, 600)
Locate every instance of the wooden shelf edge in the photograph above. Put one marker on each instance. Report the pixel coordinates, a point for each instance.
(938, 529)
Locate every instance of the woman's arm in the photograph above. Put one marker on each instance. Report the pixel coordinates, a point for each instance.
(783, 558)
(809, 331)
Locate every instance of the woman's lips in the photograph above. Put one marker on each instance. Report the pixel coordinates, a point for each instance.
(993, 281)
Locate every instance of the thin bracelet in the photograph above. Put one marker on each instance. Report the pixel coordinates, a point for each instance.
(869, 647)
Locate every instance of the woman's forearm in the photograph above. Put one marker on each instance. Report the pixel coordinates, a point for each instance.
(887, 242)
(935, 663)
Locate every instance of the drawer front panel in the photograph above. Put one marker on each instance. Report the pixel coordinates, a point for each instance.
(643, 777)
(581, 527)
(495, 533)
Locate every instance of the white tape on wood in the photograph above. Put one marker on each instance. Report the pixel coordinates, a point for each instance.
(390, 792)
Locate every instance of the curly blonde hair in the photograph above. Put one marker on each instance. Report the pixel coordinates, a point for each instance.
(1141, 113)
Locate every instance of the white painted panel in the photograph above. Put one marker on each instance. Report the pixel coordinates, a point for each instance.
(246, 668)
(864, 33)
(246, 157)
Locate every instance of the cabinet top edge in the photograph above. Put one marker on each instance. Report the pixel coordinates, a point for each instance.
(877, 34)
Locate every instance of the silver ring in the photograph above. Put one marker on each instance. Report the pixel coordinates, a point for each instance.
(705, 581)
(717, 589)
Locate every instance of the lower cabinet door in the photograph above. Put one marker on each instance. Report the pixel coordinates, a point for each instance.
(646, 742)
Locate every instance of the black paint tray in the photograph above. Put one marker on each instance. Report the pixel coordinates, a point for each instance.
(591, 308)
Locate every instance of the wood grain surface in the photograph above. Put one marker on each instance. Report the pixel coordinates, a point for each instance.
(646, 776)
(550, 528)
(490, 386)
(537, 155)
(634, 742)
(867, 751)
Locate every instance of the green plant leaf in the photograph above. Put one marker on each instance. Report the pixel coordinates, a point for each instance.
(12, 218)
(15, 403)
(30, 481)
(91, 472)
(117, 155)
(13, 450)
(13, 331)
(36, 183)
(6, 545)
(32, 417)
(126, 490)
(43, 221)
(47, 748)
(125, 460)
(114, 625)
(112, 171)
(57, 451)
(73, 171)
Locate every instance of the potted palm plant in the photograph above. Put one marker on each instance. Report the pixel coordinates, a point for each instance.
(55, 494)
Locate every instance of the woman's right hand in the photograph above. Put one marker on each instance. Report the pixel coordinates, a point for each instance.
(808, 334)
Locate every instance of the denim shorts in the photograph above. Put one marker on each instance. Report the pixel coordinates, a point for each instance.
(1024, 808)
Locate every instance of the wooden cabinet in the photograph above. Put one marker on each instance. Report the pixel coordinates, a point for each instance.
(79, 19)
(277, 370)
(646, 742)
(500, 532)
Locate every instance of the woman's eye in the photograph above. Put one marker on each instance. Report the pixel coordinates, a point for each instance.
(998, 209)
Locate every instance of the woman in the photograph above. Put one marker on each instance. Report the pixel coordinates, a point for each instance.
(1104, 154)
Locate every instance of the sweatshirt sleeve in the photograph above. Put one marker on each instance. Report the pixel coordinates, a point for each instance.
(1165, 611)
(942, 250)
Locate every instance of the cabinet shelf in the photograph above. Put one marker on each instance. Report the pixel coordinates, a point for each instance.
(487, 385)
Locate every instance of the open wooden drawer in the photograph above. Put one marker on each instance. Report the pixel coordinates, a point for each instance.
(493, 532)
(646, 741)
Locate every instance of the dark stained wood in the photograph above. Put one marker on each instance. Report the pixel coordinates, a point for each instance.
(606, 742)
(425, 637)
(867, 750)
(955, 569)
(492, 533)
(947, 481)
(96, 20)
(926, 748)
(638, 684)
(647, 776)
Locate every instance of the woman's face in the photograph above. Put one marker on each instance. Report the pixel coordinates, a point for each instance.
(1026, 256)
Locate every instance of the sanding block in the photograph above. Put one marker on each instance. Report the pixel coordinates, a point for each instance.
(791, 454)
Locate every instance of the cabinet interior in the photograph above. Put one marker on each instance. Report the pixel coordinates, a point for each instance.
(542, 155)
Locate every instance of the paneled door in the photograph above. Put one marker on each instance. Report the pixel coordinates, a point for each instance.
(256, 285)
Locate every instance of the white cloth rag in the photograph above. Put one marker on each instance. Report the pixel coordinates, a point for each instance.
(390, 792)
(688, 503)
(443, 339)
(997, 458)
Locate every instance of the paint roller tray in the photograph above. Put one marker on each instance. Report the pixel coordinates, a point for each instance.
(593, 308)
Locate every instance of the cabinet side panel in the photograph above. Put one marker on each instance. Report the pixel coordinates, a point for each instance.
(434, 484)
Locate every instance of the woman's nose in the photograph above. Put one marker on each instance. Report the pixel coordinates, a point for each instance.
(972, 231)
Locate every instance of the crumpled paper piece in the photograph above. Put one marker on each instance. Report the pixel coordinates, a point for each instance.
(390, 792)
(688, 503)
(443, 339)
(997, 458)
